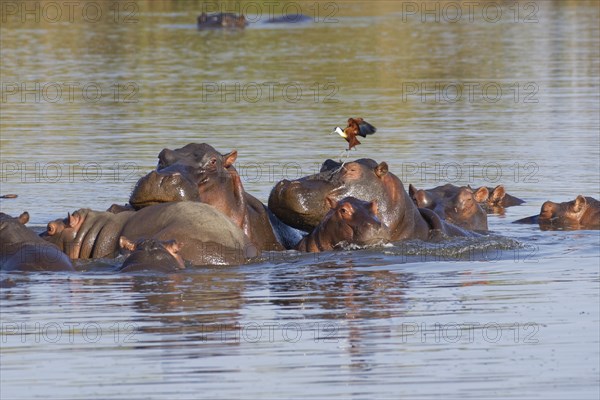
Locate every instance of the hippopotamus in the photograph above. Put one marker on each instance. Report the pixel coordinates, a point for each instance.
(221, 20)
(349, 221)
(581, 213)
(496, 199)
(23, 250)
(151, 255)
(302, 203)
(456, 204)
(198, 172)
(207, 237)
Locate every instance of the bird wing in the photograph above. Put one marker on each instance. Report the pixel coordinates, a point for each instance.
(365, 128)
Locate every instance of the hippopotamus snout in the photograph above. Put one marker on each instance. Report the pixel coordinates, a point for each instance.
(371, 230)
(161, 187)
(300, 203)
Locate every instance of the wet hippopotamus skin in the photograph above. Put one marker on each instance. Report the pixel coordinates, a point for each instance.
(198, 172)
(349, 222)
(221, 20)
(151, 255)
(456, 204)
(207, 237)
(159, 187)
(302, 204)
(581, 213)
(22, 250)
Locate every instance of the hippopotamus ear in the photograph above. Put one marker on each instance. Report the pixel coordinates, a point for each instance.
(580, 203)
(73, 219)
(498, 193)
(381, 169)
(331, 202)
(24, 218)
(482, 194)
(166, 157)
(229, 158)
(51, 228)
(412, 191)
(421, 199)
(126, 244)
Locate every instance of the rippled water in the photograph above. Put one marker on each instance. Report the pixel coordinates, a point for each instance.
(512, 317)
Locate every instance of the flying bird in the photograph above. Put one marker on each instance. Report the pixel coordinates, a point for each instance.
(356, 127)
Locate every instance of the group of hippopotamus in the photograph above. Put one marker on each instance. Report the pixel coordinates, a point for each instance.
(193, 210)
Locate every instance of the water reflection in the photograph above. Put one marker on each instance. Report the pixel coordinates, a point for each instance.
(190, 307)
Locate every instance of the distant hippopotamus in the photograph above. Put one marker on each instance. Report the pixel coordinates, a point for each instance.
(302, 203)
(456, 204)
(581, 213)
(220, 20)
(235, 21)
(151, 255)
(22, 250)
(207, 237)
(198, 172)
(349, 221)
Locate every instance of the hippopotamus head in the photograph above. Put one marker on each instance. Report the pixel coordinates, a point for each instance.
(190, 173)
(86, 233)
(302, 203)
(6, 219)
(581, 213)
(349, 221)
(458, 205)
(12, 229)
(495, 200)
(62, 232)
(151, 255)
(221, 20)
(22, 249)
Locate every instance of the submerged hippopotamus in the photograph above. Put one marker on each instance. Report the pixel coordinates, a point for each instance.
(207, 237)
(220, 20)
(302, 203)
(456, 204)
(198, 172)
(22, 250)
(349, 221)
(581, 213)
(151, 255)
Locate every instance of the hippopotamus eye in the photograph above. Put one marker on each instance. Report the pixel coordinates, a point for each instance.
(213, 161)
